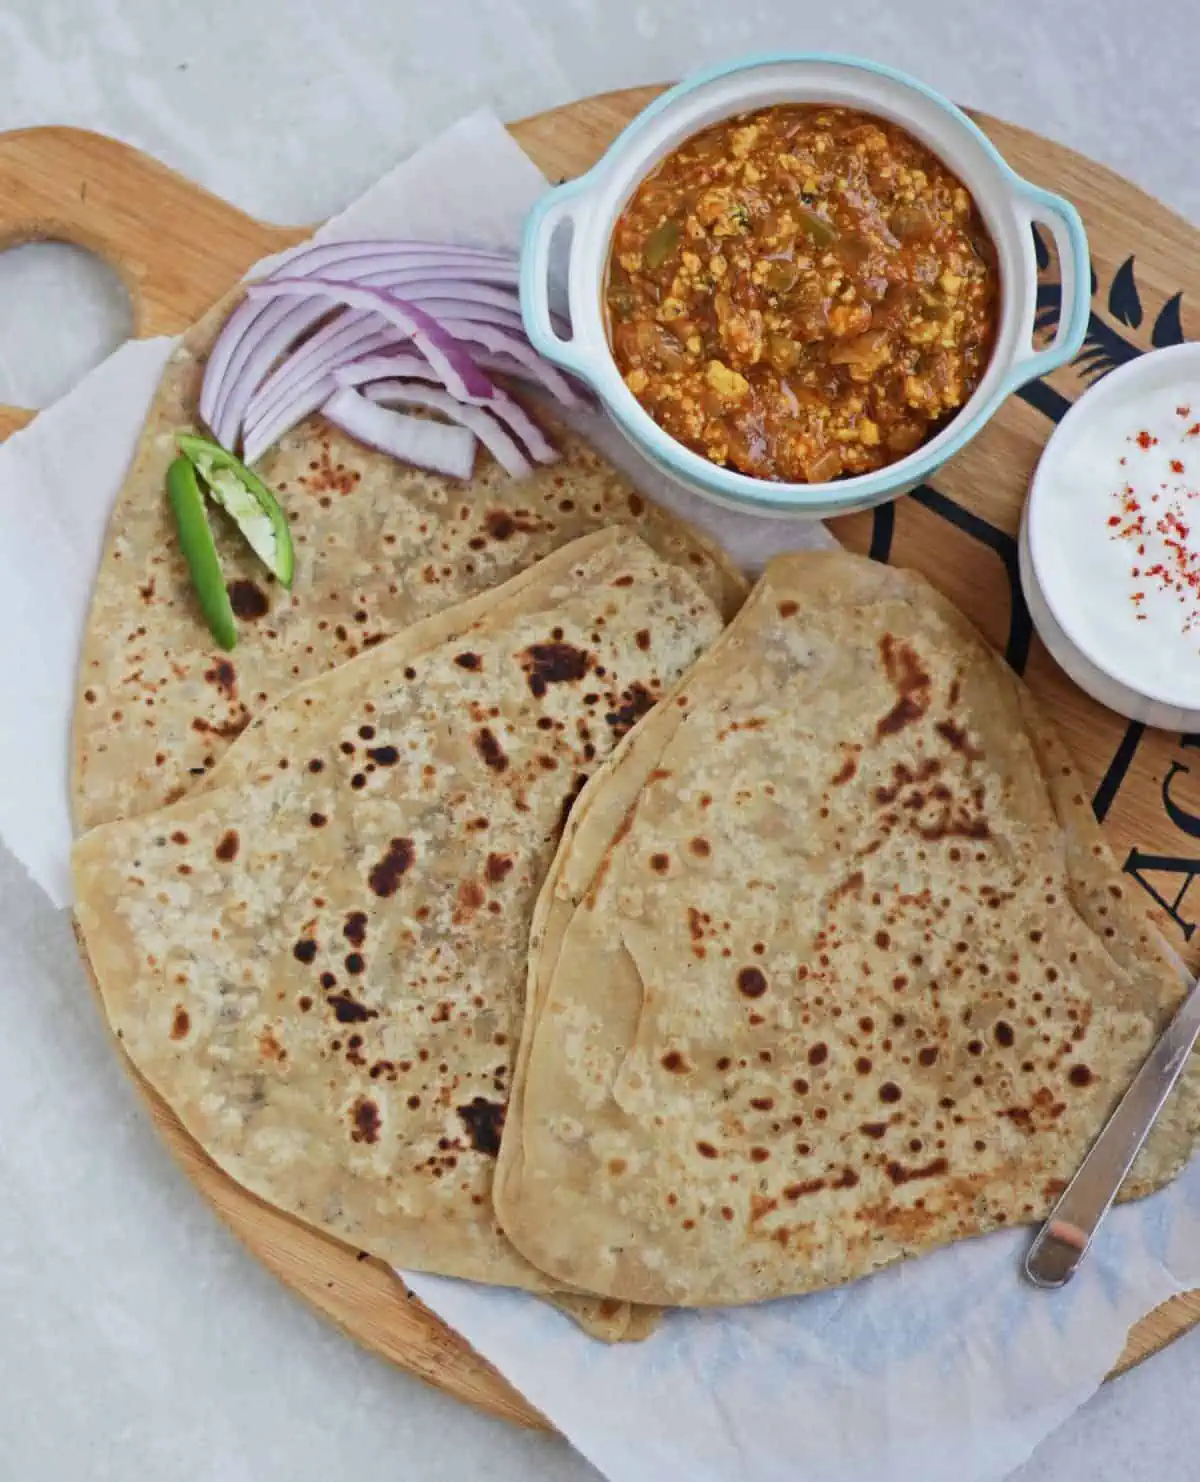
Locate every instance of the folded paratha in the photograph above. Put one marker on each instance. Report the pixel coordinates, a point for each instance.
(833, 967)
(319, 959)
(378, 546)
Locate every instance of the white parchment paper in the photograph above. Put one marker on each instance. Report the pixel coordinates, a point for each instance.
(944, 1368)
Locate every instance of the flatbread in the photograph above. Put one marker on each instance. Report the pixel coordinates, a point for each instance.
(378, 546)
(318, 960)
(606, 1318)
(834, 967)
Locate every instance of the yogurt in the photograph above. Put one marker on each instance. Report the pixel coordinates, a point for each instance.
(1114, 530)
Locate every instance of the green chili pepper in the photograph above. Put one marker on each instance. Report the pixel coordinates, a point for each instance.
(200, 551)
(247, 500)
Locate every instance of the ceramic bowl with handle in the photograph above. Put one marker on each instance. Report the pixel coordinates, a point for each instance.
(1009, 205)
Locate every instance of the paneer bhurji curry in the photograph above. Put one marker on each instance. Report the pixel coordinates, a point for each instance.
(802, 293)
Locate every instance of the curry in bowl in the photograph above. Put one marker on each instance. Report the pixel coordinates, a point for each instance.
(803, 293)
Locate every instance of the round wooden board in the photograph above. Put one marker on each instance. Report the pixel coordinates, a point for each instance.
(177, 248)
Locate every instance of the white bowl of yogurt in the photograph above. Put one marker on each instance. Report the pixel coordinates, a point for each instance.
(1110, 540)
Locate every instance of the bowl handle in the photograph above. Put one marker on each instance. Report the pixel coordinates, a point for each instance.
(1075, 269)
(555, 207)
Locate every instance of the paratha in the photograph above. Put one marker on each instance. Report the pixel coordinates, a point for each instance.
(834, 966)
(378, 546)
(318, 960)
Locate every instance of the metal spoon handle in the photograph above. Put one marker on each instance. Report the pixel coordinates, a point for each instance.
(1062, 1242)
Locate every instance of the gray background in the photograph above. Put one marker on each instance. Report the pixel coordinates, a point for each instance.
(136, 1337)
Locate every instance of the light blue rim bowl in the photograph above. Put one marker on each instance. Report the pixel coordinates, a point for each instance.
(843, 495)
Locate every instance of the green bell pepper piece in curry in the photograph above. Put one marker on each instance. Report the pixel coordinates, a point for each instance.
(200, 551)
(247, 500)
(660, 244)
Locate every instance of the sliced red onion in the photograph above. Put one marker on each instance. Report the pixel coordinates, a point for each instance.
(395, 368)
(268, 420)
(313, 351)
(450, 309)
(345, 330)
(384, 366)
(268, 339)
(384, 349)
(492, 337)
(260, 439)
(481, 422)
(276, 361)
(452, 284)
(504, 365)
(229, 352)
(390, 273)
(265, 429)
(438, 344)
(458, 295)
(382, 272)
(474, 302)
(477, 302)
(219, 372)
(336, 260)
(315, 257)
(432, 445)
(283, 399)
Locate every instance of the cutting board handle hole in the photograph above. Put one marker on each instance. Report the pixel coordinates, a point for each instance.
(62, 311)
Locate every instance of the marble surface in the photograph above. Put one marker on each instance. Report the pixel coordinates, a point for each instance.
(136, 1337)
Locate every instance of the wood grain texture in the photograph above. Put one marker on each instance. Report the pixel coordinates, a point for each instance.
(177, 248)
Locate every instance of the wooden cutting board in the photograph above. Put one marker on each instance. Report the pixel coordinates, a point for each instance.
(177, 248)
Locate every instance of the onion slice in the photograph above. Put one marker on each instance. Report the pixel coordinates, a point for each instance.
(503, 407)
(262, 439)
(317, 257)
(230, 351)
(338, 260)
(344, 338)
(461, 375)
(472, 302)
(268, 339)
(299, 260)
(504, 342)
(220, 373)
(269, 418)
(431, 445)
(344, 341)
(385, 272)
(481, 422)
(454, 310)
(478, 303)
(297, 368)
(413, 323)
